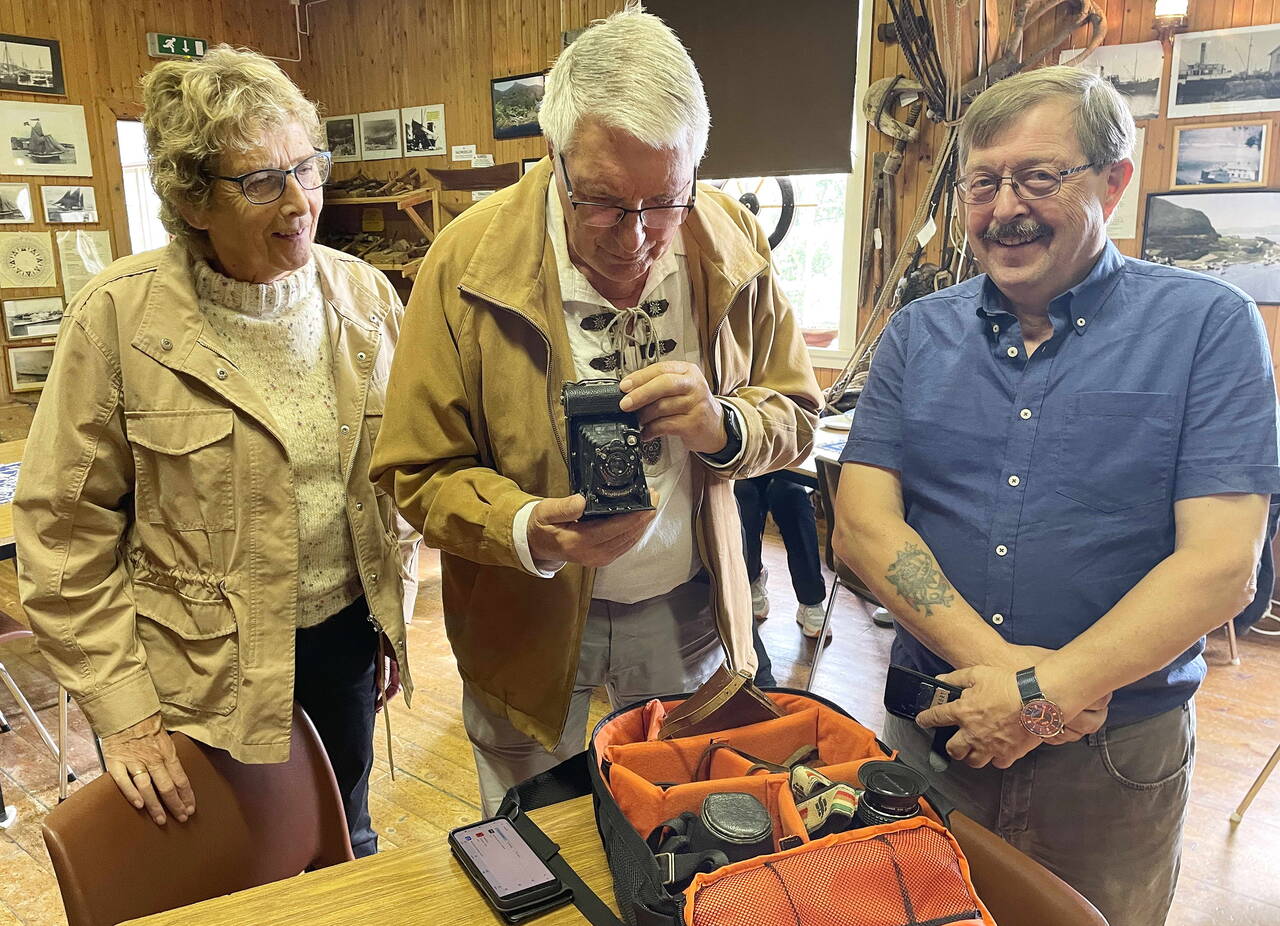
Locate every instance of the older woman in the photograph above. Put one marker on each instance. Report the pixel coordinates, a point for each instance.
(198, 541)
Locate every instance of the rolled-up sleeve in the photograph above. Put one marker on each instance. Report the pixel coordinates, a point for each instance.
(876, 435)
(1229, 431)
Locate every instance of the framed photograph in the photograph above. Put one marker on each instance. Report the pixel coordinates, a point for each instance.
(28, 367)
(26, 259)
(527, 164)
(69, 204)
(380, 135)
(1222, 155)
(15, 204)
(1234, 236)
(423, 128)
(342, 138)
(1226, 71)
(515, 104)
(44, 138)
(30, 65)
(1134, 70)
(32, 318)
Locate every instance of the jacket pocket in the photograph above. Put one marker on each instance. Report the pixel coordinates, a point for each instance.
(192, 648)
(183, 463)
(1115, 450)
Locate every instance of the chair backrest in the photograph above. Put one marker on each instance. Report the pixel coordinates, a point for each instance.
(828, 486)
(1018, 890)
(253, 824)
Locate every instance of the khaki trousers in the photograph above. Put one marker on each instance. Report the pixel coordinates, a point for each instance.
(661, 646)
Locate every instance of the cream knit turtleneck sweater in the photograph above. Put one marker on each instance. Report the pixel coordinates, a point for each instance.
(277, 336)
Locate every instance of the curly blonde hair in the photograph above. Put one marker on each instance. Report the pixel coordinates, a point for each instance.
(194, 111)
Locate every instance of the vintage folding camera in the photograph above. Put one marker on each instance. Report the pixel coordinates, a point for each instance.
(605, 464)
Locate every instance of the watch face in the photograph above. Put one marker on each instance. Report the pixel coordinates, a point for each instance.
(1042, 718)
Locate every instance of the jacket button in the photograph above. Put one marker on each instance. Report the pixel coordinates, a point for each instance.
(166, 344)
(360, 356)
(359, 506)
(346, 428)
(373, 577)
(222, 374)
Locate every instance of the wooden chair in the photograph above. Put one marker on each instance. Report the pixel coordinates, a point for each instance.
(11, 632)
(253, 824)
(1257, 786)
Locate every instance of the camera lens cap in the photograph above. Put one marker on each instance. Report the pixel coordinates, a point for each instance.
(892, 786)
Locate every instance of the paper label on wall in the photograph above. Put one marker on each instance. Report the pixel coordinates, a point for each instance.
(372, 220)
(82, 254)
(482, 160)
(1124, 221)
(877, 238)
(462, 152)
(925, 235)
(26, 259)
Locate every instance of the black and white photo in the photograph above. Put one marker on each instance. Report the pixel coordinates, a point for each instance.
(44, 138)
(1226, 71)
(423, 128)
(342, 138)
(1133, 69)
(380, 135)
(516, 101)
(1234, 236)
(64, 204)
(31, 65)
(15, 204)
(28, 367)
(1225, 154)
(32, 318)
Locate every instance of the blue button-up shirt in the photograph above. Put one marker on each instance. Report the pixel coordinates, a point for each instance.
(1044, 485)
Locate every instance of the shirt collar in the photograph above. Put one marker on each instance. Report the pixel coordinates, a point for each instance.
(574, 286)
(1079, 304)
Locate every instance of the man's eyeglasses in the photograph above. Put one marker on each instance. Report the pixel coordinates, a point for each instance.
(267, 185)
(598, 215)
(981, 187)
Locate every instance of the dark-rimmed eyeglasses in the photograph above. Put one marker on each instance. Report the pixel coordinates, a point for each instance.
(981, 187)
(267, 185)
(599, 215)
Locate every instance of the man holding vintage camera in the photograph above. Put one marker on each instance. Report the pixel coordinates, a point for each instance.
(604, 262)
(1058, 481)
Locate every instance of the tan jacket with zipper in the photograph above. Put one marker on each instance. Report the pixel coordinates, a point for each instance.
(474, 430)
(155, 517)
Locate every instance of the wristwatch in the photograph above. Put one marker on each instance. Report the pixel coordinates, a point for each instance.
(733, 442)
(1040, 716)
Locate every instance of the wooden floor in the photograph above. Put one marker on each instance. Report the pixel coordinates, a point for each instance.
(1230, 875)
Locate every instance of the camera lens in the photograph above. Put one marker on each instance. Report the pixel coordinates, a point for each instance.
(618, 463)
(891, 791)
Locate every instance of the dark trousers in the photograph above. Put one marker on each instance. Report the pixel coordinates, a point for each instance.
(335, 667)
(792, 511)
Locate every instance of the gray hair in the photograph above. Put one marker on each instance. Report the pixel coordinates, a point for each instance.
(195, 110)
(631, 73)
(1102, 121)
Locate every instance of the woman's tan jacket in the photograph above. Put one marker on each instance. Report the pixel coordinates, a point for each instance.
(475, 430)
(155, 516)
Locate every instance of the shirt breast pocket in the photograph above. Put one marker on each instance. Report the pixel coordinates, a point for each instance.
(183, 466)
(1115, 450)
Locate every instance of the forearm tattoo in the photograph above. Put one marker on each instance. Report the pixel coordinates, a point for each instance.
(919, 580)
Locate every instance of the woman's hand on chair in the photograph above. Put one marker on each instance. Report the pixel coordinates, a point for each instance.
(145, 767)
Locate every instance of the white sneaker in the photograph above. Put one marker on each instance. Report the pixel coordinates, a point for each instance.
(810, 617)
(759, 595)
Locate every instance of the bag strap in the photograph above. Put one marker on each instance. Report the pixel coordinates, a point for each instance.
(566, 781)
(800, 757)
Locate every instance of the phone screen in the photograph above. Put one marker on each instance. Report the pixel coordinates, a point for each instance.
(502, 857)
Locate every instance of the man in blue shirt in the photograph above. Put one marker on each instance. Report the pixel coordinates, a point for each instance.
(1057, 480)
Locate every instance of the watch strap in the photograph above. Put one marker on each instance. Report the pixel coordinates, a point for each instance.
(733, 439)
(1029, 685)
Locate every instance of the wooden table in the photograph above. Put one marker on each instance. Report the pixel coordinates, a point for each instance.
(10, 452)
(410, 885)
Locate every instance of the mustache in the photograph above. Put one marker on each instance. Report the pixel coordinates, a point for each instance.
(1022, 231)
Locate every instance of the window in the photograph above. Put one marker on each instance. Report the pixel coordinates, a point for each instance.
(140, 200)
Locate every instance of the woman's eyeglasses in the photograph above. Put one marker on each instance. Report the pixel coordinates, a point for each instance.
(267, 185)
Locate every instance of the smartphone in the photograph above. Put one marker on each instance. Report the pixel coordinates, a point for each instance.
(515, 882)
(907, 693)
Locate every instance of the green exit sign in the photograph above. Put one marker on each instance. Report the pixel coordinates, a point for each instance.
(160, 45)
